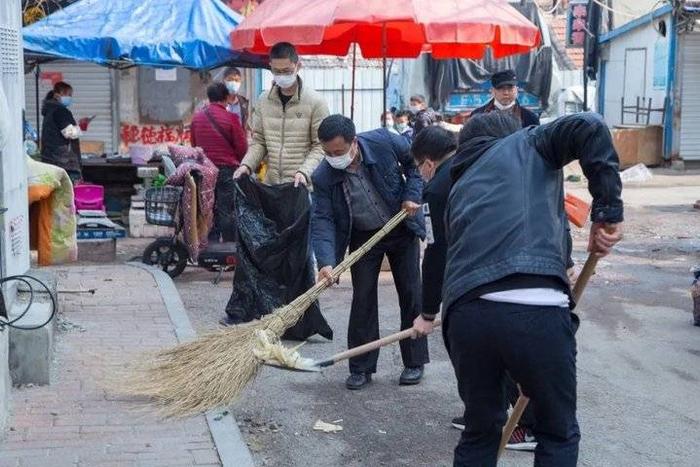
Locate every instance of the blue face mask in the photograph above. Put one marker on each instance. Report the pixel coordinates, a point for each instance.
(66, 100)
(232, 86)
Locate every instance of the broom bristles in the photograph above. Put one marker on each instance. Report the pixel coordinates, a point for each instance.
(214, 369)
(208, 372)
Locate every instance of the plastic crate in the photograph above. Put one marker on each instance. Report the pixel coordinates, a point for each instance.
(161, 205)
(89, 197)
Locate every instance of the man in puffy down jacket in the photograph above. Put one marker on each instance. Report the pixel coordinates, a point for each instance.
(285, 124)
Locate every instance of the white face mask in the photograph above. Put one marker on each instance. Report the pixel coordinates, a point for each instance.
(285, 81)
(389, 123)
(233, 86)
(500, 106)
(341, 162)
(414, 108)
(402, 127)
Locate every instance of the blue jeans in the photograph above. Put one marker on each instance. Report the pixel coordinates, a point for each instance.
(536, 346)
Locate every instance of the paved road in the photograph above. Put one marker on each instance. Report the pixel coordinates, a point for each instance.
(639, 366)
(639, 361)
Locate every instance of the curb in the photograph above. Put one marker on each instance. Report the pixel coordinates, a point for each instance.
(232, 449)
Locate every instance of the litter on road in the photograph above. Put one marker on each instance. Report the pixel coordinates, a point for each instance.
(326, 427)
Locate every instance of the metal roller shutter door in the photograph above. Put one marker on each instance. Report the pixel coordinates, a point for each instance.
(92, 95)
(690, 98)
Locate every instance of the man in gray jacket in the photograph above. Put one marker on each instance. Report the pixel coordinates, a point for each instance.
(506, 294)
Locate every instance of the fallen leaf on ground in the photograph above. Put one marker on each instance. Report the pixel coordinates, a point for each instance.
(326, 427)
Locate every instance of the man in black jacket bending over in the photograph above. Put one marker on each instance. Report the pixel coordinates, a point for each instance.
(506, 294)
(433, 150)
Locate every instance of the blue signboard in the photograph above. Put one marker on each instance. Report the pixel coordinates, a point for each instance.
(466, 101)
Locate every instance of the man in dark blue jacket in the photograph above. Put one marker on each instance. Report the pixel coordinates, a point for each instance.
(365, 180)
(506, 294)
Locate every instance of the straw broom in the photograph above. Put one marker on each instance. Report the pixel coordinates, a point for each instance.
(212, 370)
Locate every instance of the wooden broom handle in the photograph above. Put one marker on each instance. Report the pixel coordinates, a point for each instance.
(512, 422)
(305, 299)
(586, 273)
(370, 346)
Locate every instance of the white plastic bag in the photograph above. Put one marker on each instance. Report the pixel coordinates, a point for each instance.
(71, 132)
(636, 174)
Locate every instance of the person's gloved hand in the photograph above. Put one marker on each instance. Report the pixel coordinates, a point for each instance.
(300, 179)
(241, 171)
(603, 237)
(422, 327)
(410, 207)
(325, 274)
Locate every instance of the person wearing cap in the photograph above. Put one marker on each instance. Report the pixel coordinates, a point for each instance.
(505, 98)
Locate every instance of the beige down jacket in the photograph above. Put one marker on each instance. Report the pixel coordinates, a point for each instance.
(287, 139)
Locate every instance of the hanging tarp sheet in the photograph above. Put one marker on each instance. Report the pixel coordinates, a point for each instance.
(274, 261)
(189, 33)
(534, 69)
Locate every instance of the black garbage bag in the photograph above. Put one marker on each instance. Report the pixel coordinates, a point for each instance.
(274, 259)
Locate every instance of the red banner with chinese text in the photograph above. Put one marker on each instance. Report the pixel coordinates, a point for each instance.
(154, 134)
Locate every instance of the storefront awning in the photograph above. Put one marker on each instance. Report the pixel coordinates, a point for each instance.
(161, 33)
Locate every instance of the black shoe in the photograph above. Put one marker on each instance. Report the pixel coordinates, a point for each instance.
(411, 375)
(458, 423)
(358, 380)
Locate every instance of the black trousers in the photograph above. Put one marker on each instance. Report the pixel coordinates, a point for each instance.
(527, 420)
(224, 215)
(402, 248)
(536, 346)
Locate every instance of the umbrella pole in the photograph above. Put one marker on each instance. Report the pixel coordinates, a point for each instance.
(352, 91)
(37, 73)
(383, 74)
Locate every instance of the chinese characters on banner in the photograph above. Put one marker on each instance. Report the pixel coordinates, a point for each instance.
(576, 23)
(154, 134)
(50, 78)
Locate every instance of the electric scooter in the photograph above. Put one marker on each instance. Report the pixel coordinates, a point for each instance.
(162, 206)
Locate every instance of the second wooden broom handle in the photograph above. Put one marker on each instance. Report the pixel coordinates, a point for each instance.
(374, 345)
(583, 278)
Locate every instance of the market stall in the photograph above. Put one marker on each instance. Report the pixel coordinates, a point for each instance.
(88, 42)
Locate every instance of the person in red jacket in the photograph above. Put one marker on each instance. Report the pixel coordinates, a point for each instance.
(220, 134)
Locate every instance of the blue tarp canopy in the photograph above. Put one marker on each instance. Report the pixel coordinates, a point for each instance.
(161, 33)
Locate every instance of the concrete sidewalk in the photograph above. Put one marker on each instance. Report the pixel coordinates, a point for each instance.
(74, 421)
